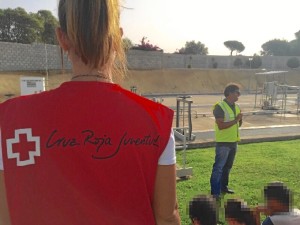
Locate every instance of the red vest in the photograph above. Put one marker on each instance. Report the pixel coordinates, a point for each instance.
(85, 153)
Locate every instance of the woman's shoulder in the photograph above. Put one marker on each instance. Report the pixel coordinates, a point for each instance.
(25, 100)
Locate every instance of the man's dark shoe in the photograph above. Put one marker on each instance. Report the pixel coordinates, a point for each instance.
(228, 191)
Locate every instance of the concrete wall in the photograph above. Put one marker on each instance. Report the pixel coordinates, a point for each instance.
(22, 57)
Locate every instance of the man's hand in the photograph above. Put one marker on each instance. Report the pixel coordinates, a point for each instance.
(239, 117)
(260, 209)
(224, 125)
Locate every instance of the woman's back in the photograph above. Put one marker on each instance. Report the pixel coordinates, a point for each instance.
(91, 153)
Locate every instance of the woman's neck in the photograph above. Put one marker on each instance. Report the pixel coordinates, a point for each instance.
(86, 74)
(83, 71)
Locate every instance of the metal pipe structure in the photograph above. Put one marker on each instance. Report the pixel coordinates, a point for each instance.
(269, 89)
(184, 100)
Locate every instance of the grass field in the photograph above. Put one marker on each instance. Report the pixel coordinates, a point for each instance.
(255, 165)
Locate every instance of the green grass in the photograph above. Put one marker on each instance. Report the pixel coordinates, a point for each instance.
(255, 166)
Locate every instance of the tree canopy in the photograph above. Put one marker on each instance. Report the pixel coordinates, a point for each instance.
(146, 46)
(127, 43)
(234, 46)
(293, 63)
(297, 35)
(254, 62)
(276, 47)
(193, 48)
(49, 24)
(294, 47)
(16, 25)
(238, 62)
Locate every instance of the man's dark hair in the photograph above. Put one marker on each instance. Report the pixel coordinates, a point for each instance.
(239, 211)
(230, 88)
(278, 191)
(203, 209)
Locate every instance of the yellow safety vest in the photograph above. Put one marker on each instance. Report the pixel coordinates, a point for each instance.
(230, 134)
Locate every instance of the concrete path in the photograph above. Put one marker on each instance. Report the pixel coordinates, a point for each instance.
(205, 138)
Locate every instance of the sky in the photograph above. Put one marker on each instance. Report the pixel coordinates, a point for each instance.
(169, 24)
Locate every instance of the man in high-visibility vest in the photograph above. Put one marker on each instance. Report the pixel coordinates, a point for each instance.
(228, 119)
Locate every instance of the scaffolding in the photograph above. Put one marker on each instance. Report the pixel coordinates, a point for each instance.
(276, 94)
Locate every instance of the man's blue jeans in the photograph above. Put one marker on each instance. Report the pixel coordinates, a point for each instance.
(223, 163)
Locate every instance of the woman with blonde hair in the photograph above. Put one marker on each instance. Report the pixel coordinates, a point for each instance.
(88, 152)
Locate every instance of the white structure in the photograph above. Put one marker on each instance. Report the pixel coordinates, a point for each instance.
(269, 89)
(32, 85)
(278, 95)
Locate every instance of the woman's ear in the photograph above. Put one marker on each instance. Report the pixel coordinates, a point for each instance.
(62, 39)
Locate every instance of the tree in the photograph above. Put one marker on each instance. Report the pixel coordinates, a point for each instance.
(293, 63)
(238, 62)
(49, 23)
(276, 47)
(214, 63)
(294, 47)
(234, 46)
(127, 43)
(18, 26)
(146, 46)
(193, 48)
(297, 35)
(255, 63)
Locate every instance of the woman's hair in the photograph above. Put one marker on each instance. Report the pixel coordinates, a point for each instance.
(239, 211)
(203, 208)
(92, 27)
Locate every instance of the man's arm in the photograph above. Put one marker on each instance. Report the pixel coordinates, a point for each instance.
(4, 214)
(223, 125)
(261, 209)
(219, 116)
(165, 206)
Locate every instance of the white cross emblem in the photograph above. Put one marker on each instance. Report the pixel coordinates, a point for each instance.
(31, 152)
